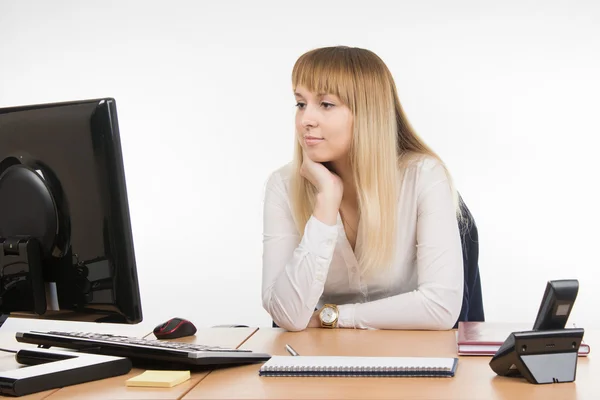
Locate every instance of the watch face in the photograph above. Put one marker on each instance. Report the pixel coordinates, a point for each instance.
(328, 315)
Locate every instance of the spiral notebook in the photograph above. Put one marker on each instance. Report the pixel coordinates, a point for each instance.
(358, 366)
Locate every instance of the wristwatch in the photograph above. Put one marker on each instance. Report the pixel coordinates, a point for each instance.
(329, 316)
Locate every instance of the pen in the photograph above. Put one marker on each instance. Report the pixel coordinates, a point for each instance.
(290, 350)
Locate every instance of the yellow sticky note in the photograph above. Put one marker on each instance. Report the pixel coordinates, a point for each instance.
(159, 378)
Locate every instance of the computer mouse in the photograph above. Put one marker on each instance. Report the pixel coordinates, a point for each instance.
(174, 328)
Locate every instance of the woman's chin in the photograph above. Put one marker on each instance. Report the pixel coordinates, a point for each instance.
(318, 156)
(320, 159)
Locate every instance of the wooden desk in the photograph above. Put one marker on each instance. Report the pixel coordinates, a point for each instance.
(115, 389)
(473, 380)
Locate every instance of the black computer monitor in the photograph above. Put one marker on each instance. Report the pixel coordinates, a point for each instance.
(67, 248)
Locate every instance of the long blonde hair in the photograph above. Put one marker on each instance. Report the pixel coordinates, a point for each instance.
(382, 138)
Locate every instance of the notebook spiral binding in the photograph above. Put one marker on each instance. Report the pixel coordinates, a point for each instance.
(349, 371)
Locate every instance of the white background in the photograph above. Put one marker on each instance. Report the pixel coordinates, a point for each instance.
(506, 92)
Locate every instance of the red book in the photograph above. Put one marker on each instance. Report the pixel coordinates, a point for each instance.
(485, 338)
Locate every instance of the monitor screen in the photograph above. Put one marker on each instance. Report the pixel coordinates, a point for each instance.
(64, 218)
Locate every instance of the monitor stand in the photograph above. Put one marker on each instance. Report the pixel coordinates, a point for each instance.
(46, 369)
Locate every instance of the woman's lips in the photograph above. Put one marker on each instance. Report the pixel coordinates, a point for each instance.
(312, 141)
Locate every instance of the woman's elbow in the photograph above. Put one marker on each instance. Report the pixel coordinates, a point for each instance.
(442, 320)
(283, 320)
(449, 315)
(290, 324)
(292, 327)
(446, 323)
(443, 314)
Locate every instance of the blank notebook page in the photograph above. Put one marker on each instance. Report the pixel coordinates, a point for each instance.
(358, 366)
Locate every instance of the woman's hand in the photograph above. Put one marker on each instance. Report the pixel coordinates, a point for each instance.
(323, 179)
(330, 189)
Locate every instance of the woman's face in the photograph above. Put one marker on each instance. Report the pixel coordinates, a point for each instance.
(323, 125)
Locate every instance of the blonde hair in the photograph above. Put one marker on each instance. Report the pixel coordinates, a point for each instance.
(382, 140)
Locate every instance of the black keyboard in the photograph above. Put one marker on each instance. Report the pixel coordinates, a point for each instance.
(143, 351)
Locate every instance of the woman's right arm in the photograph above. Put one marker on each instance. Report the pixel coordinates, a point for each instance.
(295, 269)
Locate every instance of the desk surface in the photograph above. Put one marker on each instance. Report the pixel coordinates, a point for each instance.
(473, 380)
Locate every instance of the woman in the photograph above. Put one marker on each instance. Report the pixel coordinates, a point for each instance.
(360, 230)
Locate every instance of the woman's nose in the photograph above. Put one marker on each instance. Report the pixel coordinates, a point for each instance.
(308, 117)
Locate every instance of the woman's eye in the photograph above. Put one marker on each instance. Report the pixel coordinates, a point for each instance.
(300, 105)
(326, 105)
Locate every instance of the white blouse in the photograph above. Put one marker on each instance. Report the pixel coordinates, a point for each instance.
(423, 289)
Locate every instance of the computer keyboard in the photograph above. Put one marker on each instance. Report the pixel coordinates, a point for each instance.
(143, 350)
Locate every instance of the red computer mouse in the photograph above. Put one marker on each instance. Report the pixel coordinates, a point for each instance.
(174, 328)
